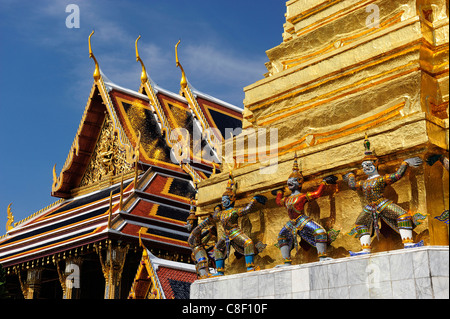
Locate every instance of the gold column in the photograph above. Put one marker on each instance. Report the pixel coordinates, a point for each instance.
(435, 186)
(112, 266)
(70, 279)
(32, 287)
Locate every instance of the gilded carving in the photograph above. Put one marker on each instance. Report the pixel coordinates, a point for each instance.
(112, 266)
(108, 158)
(10, 222)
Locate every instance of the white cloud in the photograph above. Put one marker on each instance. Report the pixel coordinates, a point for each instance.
(210, 67)
(221, 65)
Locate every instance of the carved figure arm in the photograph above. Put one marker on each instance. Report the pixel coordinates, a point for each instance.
(310, 196)
(327, 180)
(204, 224)
(350, 178)
(249, 208)
(280, 199)
(195, 238)
(392, 178)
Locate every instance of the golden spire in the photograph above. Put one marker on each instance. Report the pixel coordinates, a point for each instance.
(183, 81)
(144, 76)
(9, 223)
(91, 55)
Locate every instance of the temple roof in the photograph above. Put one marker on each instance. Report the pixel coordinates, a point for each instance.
(158, 278)
(158, 203)
(148, 118)
(144, 126)
(119, 175)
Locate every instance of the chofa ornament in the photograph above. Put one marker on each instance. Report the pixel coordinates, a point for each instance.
(400, 220)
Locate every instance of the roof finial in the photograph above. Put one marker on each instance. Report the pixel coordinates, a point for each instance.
(144, 76)
(55, 178)
(91, 55)
(183, 81)
(9, 223)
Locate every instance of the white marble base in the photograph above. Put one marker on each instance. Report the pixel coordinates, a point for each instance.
(416, 273)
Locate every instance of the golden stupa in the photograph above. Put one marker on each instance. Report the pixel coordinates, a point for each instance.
(345, 68)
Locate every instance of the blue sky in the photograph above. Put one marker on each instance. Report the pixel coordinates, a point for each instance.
(46, 73)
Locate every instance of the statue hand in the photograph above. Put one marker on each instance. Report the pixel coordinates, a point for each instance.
(433, 159)
(346, 176)
(414, 161)
(275, 191)
(260, 199)
(330, 179)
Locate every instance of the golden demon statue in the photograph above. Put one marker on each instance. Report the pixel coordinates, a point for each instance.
(228, 216)
(199, 240)
(299, 223)
(378, 206)
(233, 235)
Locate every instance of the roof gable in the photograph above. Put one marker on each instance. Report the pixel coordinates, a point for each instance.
(100, 133)
(158, 278)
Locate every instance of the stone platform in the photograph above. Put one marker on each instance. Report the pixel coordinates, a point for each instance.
(417, 273)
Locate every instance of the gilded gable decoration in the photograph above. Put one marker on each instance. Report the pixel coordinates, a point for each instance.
(108, 158)
(98, 108)
(188, 94)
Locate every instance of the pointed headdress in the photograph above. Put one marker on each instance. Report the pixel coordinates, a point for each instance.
(231, 188)
(368, 153)
(296, 173)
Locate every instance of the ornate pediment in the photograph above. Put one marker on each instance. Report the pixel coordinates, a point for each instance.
(108, 158)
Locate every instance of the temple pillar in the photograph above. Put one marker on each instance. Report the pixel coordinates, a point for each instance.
(112, 266)
(32, 286)
(70, 279)
(436, 184)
